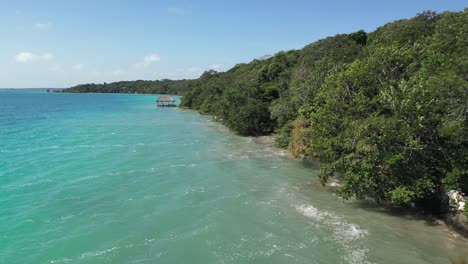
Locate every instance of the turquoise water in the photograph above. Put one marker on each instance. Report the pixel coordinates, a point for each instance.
(103, 178)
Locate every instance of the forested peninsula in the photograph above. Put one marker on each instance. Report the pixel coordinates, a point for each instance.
(385, 111)
(139, 87)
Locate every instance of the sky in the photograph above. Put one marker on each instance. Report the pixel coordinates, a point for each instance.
(61, 43)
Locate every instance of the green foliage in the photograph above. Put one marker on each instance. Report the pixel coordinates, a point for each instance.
(385, 110)
(283, 136)
(299, 145)
(242, 97)
(394, 121)
(141, 87)
(238, 104)
(457, 179)
(360, 37)
(402, 195)
(465, 212)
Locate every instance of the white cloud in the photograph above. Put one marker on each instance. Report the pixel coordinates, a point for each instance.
(178, 11)
(216, 67)
(43, 26)
(25, 57)
(148, 60)
(78, 67)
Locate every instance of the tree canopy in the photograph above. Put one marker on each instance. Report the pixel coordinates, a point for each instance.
(386, 111)
(140, 86)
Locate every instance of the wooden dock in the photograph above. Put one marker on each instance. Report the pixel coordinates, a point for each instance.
(166, 101)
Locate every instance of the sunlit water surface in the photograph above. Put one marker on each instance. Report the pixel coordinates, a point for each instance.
(103, 178)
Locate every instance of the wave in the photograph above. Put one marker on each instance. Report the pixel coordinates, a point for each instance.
(85, 255)
(346, 234)
(63, 260)
(194, 190)
(97, 253)
(191, 165)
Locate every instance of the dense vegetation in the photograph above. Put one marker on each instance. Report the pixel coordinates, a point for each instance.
(385, 111)
(143, 87)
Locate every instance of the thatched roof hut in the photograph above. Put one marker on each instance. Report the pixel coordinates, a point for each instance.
(166, 101)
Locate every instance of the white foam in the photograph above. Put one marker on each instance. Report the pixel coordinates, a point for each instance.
(85, 178)
(85, 255)
(98, 253)
(192, 190)
(64, 260)
(149, 241)
(66, 217)
(346, 234)
(183, 165)
(177, 165)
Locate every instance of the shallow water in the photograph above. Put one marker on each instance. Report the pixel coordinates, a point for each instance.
(103, 178)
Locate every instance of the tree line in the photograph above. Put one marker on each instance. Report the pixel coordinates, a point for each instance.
(139, 86)
(385, 111)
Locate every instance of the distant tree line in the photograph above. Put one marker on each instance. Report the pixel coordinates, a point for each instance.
(140, 86)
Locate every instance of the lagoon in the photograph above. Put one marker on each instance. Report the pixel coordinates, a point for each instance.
(111, 178)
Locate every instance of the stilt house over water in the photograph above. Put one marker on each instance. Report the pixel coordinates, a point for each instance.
(166, 101)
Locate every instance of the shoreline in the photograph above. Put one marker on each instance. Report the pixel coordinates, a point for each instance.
(454, 222)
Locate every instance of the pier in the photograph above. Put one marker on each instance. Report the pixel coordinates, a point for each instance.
(166, 101)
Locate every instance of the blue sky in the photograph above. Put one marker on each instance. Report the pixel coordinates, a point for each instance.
(62, 43)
